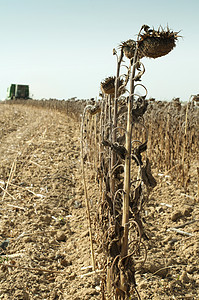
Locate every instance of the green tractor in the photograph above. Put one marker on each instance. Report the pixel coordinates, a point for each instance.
(18, 91)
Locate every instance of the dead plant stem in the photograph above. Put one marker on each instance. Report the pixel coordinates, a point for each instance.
(86, 196)
(127, 172)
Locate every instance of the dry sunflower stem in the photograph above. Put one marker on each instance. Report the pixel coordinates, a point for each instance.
(123, 168)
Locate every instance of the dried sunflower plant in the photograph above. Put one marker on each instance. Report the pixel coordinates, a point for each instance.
(123, 170)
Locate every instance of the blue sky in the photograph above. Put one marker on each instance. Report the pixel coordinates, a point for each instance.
(63, 49)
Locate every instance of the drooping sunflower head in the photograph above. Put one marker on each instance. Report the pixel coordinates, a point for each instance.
(108, 85)
(128, 48)
(156, 43)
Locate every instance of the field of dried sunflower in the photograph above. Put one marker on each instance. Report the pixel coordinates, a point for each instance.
(139, 165)
(43, 214)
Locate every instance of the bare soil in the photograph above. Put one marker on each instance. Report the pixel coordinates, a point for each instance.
(44, 238)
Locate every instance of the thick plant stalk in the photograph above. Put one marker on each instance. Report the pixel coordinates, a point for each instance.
(127, 172)
(115, 121)
(110, 137)
(167, 138)
(101, 137)
(125, 217)
(184, 145)
(95, 144)
(12, 171)
(115, 116)
(86, 196)
(111, 182)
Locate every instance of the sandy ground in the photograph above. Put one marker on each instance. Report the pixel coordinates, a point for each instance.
(43, 226)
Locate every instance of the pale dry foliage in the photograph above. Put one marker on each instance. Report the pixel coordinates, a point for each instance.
(168, 148)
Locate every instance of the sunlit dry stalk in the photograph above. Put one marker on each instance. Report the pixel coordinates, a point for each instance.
(167, 148)
(177, 141)
(101, 148)
(95, 147)
(115, 124)
(127, 171)
(86, 192)
(12, 171)
(110, 101)
(185, 144)
(162, 144)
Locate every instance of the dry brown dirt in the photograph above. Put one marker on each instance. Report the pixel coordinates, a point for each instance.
(43, 216)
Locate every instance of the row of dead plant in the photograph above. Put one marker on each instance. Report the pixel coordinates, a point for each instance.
(173, 138)
(114, 146)
(74, 108)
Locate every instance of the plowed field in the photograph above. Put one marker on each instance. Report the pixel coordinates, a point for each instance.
(45, 251)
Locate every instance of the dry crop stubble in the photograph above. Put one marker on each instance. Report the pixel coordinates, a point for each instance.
(36, 219)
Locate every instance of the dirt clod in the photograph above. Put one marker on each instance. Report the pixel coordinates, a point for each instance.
(61, 236)
(184, 277)
(176, 215)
